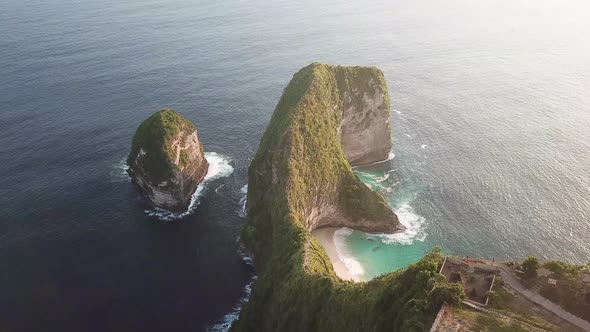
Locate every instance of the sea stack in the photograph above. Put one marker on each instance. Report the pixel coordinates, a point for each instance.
(328, 119)
(167, 160)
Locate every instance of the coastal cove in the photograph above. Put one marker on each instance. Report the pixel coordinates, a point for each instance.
(360, 256)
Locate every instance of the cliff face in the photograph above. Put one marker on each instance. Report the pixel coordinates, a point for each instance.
(327, 117)
(167, 160)
(365, 131)
(301, 179)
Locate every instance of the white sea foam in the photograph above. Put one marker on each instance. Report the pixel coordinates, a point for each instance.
(218, 188)
(383, 178)
(243, 200)
(245, 257)
(225, 324)
(219, 167)
(423, 146)
(368, 175)
(227, 320)
(415, 224)
(352, 265)
(123, 166)
(390, 156)
(119, 171)
(415, 228)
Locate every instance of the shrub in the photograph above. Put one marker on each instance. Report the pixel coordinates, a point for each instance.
(530, 267)
(562, 270)
(451, 293)
(154, 136)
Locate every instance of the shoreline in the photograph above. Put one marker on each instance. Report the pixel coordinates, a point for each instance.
(325, 237)
(390, 156)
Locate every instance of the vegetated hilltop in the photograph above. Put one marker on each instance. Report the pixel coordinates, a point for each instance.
(167, 160)
(300, 180)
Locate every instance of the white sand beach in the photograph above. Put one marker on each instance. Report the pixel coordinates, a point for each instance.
(326, 237)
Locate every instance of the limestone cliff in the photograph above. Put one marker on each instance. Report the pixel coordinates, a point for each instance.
(365, 133)
(167, 160)
(328, 117)
(301, 179)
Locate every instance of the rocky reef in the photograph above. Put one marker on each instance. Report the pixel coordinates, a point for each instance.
(301, 178)
(167, 160)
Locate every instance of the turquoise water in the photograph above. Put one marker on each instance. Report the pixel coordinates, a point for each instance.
(378, 258)
(380, 254)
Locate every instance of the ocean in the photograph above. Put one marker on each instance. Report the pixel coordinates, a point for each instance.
(490, 118)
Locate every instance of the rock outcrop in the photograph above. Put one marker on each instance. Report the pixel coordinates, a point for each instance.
(329, 118)
(167, 160)
(301, 179)
(365, 133)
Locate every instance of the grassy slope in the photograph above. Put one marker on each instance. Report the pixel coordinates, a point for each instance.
(474, 320)
(297, 289)
(519, 309)
(154, 135)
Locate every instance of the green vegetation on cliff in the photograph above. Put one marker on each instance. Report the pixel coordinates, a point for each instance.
(155, 135)
(300, 169)
(570, 292)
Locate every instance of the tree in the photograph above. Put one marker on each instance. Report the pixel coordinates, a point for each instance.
(557, 268)
(451, 293)
(530, 267)
(562, 270)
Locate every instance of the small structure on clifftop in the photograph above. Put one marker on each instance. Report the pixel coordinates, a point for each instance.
(167, 160)
(477, 277)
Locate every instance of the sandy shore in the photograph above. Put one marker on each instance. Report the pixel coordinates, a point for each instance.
(326, 237)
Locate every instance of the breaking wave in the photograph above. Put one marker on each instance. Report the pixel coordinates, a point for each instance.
(227, 320)
(376, 182)
(415, 228)
(414, 223)
(352, 265)
(243, 201)
(219, 167)
(390, 156)
(119, 171)
(225, 324)
(383, 178)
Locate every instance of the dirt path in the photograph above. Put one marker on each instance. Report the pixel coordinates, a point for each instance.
(513, 282)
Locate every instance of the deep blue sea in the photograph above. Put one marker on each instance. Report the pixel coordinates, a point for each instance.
(490, 127)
